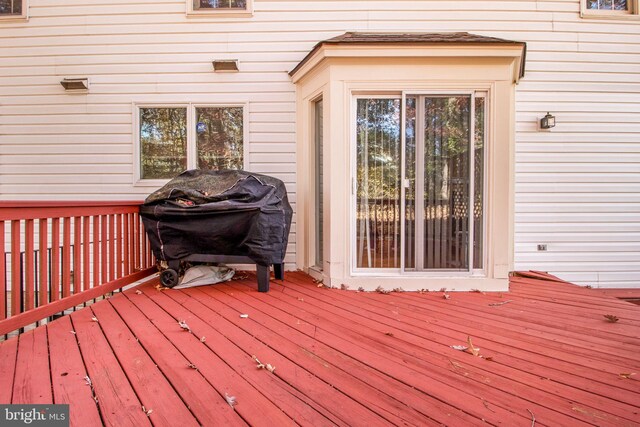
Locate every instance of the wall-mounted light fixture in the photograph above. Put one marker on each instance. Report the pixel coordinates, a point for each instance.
(548, 121)
(225, 65)
(78, 84)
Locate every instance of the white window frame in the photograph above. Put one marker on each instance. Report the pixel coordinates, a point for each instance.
(631, 12)
(220, 12)
(191, 136)
(24, 16)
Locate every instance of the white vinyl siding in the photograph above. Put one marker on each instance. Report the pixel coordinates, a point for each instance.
(578, 185)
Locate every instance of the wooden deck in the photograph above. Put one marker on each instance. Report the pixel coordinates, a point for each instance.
(547, 357)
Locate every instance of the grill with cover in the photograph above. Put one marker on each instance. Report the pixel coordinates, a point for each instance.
(228, 216)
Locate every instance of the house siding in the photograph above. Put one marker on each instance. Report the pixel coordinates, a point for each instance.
(577, 186)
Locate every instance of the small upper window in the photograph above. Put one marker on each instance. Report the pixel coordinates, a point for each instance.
(219, 4)
(607, 5)
(609, 8)
(13, 9)
(220, 7)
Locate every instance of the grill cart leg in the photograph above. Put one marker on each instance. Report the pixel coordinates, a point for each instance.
(263, 277)
(278, 271)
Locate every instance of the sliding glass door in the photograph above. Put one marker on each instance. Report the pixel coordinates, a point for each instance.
(419, 198)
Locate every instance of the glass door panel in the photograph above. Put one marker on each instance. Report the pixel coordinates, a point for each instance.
(378, 167)
(446, 182)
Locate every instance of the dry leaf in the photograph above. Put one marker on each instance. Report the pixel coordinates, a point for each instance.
(231, 400)
(446, 296)
(259, 364)
(160, 287)
(455, 365)
(533, 419)
(138, 291)
(478, 291)
(270, 368)
(344, 287)
(496, 304)
(184, 325)
(301, 299)
(88, 380)
(611, 318)
(459, 347)
(627, 375)
(95, 319)
(73, 332)
(147, 411)
(382, 291)
(203, 339)
(244, 316)
(487, 358)
(473, 350)
(389, 333)
(192, 366)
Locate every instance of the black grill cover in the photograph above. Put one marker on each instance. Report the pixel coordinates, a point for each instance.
(228, 212)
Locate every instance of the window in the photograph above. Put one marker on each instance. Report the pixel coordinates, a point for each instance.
(12, 9)
(607, 4)
(172, 139)
(219, 7)
(612, 9)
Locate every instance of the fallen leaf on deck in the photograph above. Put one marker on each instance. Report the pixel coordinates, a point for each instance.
(459, 347)
(192, 366)
(487, 358)
(270, 368)
(203, 339)
(147, 411)
(88, 380)
(73, 332)
(301, 299)
(95, 319)
(627, 375)
(382, 291)
(455, 365)
(160, 287)
(138, 291)
(231, 400)
(446, 296)
(259, 364)
(533, 419)
(611, 318)
(389, 334)
(344, 287)
(496, 304)
(244, 316)
(478, 291)
(473, 350)
(184, 325)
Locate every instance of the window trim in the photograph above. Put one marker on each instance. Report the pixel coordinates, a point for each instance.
(191, 135)
(219, 13)
(631, 13)
(24, 16)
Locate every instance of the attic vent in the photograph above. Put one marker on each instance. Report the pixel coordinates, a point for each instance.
(225, 65)
(78, 84)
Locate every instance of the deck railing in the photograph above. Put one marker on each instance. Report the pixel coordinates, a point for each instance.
(57, 255)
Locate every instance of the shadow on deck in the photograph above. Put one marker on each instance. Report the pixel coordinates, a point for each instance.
(544, 351)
